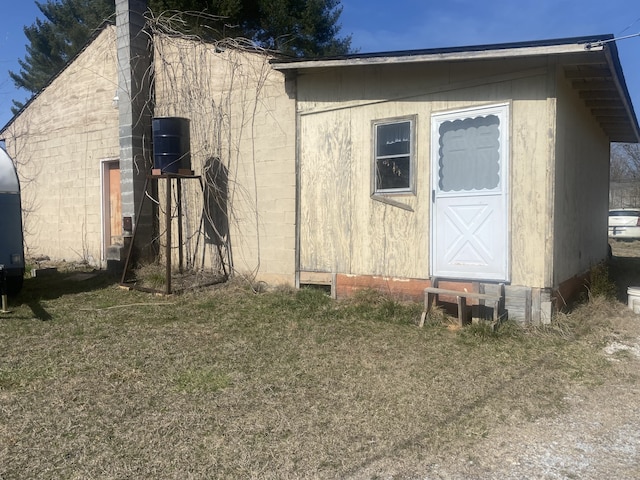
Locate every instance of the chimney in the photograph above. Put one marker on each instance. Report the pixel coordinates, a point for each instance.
(135, 109)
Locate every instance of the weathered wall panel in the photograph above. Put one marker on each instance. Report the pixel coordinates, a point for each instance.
(531, 136)
(581, 188)
(343, 229)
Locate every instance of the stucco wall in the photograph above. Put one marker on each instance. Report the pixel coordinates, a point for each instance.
(344, 230)
(581, 187)
(58, 141)
(240, 112)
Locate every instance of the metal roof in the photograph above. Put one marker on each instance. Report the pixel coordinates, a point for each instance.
(590, 64)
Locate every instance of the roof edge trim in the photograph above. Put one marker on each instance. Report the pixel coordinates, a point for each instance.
(557, 46)
(611, 54)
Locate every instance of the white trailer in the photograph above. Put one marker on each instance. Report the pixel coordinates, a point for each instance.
(11, 236)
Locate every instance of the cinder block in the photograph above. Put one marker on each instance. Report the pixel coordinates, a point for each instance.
(44, 272)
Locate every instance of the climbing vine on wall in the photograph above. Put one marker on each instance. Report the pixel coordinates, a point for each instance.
(221, 87)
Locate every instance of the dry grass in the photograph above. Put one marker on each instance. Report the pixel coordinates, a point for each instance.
(101, 382)
(153, 277)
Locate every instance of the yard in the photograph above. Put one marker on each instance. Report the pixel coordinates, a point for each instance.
(101, 382)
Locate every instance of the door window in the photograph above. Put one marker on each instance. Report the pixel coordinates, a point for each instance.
(469, 154)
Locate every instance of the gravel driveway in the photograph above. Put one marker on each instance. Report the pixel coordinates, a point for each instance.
(599, 435)
(599, 438)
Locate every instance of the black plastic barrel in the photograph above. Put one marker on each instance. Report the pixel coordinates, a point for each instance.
(171, 144)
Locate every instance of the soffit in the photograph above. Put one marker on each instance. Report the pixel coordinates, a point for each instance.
(602, 89)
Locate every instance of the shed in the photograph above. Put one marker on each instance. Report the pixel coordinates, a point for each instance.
(481, 168)
(484, 168)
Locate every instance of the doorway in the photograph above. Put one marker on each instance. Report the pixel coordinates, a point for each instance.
(469, 211)
(111, 205)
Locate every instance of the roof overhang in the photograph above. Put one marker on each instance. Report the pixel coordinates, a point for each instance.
(590, 64)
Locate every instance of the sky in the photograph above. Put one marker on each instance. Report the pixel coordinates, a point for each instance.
(392, 25)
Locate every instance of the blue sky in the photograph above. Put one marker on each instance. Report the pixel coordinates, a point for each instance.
(389, 25)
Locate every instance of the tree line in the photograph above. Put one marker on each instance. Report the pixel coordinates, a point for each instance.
(625, 162)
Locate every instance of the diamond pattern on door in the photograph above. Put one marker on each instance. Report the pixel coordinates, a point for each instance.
(468, 235)
(469, 238)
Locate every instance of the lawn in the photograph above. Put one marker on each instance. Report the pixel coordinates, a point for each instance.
(97, 381)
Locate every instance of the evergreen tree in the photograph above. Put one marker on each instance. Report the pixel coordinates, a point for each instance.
(54, 41)
(294, 27)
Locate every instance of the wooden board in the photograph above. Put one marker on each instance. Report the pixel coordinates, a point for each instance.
(115, 204)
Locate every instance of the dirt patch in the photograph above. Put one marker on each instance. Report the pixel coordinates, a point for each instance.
(597, 437)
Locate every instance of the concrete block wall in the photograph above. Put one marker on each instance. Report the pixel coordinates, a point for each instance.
(241, 113)
(58, 142)
(135, 112)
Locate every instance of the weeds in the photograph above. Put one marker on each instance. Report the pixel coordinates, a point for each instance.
(484, 330)
(152, 275)
(375, 306)
(202, 380)
(600, 282)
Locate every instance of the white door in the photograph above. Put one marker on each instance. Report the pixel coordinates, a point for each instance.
(469, 211)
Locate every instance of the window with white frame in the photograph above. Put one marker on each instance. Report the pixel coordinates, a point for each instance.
(393, 163)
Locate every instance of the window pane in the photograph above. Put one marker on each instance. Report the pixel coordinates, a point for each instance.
(393, 173)
(470, 154)
(393, 139)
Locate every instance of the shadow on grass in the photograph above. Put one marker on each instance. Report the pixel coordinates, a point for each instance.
(54, 285)
(465, 409)
(625, 272)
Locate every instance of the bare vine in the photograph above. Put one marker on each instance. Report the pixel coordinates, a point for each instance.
(219, 86)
